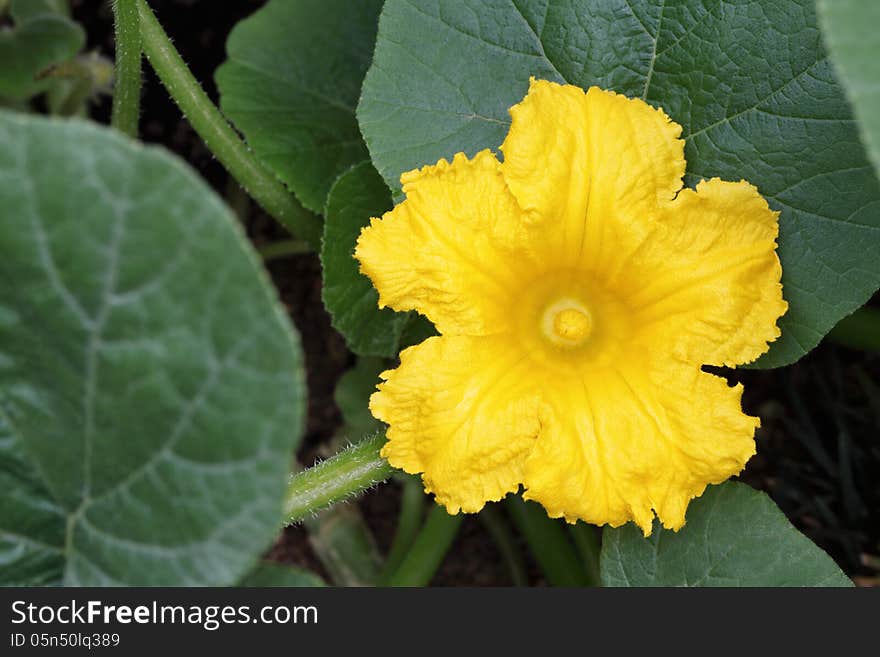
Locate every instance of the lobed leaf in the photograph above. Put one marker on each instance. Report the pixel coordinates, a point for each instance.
(291, 85)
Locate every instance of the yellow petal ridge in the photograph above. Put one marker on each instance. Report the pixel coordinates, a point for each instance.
(589, 168)
(460, 412)
(447, 251)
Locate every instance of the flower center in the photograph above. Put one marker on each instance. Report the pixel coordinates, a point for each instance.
(567, 323)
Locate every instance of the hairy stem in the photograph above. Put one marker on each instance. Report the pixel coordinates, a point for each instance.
(350, 472)
(224, 142)
(428, 550)
(127, 85)
(343, 541)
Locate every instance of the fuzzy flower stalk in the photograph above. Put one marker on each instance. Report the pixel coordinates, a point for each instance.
(578, 289)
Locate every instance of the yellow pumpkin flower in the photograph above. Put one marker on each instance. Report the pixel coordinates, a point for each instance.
(578, 290)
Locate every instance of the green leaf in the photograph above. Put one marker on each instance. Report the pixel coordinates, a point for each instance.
(41, 36)
(417, 329)
(734, 536)
(291, 85)
(349, 296)
(274, 575)
(748, 81)
(352, 396)
(152, 386)
(850, 31)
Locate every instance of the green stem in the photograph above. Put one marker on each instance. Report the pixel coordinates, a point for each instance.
(282, 249)
(499, 530)
(861, 330)
(428, 550)
(127, 86)
(586, 540)
(219, 136)
(350, 472)
(554, 552)
(412, 508)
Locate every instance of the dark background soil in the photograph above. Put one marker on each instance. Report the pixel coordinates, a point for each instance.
(818, 450)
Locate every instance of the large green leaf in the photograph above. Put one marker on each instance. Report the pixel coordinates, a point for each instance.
(41, 36)
(734, 536)
(31, 522)
(291, 85)
(152, 387)
(748, 81)
(851, 33)
(349, 296)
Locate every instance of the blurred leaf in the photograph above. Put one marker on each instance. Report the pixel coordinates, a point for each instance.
(349, 296)
(77, 82)
(152, 387)
(734, 536)
(851, 33)
(749, 82)
(274, 575)
(291, 85)
(41, 36)
(345, 545)
(26, 9)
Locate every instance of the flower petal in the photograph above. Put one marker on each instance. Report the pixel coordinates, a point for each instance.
(623, 445)
(591, 165)
(711, 276)
(459, 411)
(445, 250)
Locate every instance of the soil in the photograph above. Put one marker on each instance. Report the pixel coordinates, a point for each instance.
(818, 449)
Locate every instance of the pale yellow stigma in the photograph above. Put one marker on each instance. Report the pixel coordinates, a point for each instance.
(572, 325)
(567, 323)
